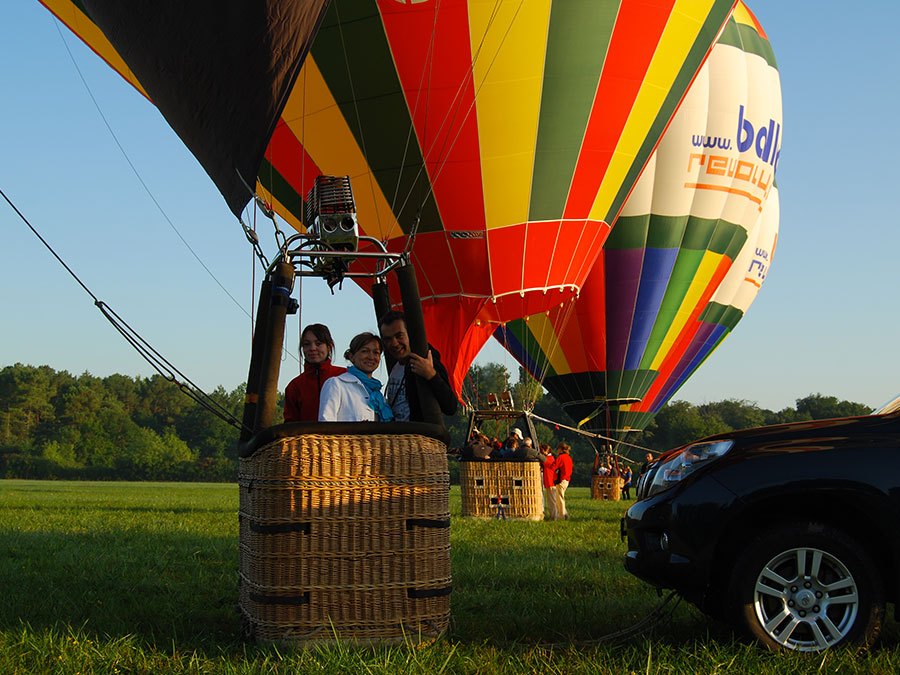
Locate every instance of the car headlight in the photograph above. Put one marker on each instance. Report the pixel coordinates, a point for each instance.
(685, 462)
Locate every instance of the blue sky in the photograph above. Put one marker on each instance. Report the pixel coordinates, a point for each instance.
(825, 320)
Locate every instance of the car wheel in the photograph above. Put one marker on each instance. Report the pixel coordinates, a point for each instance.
(807, 587)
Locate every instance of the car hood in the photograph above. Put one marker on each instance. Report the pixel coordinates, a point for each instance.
(813, 435)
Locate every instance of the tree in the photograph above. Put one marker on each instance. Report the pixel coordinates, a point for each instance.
(25, 394)
(680, 422)
(817, 407)
(480, 381)
(736, 414)
(162, 404)
(208, 435)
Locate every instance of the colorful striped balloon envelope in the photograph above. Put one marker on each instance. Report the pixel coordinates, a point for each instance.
(495, 140)
(685, 257)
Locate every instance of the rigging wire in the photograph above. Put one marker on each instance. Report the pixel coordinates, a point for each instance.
(250, 234)
(137, 174)
(144, 348)
(591, 434)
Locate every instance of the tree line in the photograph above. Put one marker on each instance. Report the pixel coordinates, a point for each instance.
(57, 425)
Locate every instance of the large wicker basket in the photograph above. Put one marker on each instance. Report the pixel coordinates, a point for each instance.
(606, 487)
(501, 489)
(345, 537)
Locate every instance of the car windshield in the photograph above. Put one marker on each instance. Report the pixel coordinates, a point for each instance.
(889, 407)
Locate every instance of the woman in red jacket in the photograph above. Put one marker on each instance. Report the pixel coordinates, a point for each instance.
(548, 474)
(564, 467)
(301, 398)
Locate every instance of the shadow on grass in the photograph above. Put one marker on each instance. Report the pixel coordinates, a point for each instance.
(117, 509)
(544, 594)
(164, 589)
(179, 590)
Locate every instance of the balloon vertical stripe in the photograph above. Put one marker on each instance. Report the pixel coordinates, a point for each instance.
(677, 57)
(634, 41)
(658, 265)
(434, 65)
(76, 17)
(356, 62)
(509, 42)
(314, 117)
(571, 75)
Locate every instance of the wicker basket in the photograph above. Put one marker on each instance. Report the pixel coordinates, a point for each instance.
(606, 487)
(501, 488)
(345, 537)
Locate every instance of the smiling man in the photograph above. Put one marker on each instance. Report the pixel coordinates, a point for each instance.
(410, 371)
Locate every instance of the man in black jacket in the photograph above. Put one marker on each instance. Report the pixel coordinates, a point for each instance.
(410, 371)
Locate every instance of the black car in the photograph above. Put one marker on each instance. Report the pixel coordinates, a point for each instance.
(792, 531)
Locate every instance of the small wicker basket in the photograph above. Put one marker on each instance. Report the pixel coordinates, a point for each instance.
(501, 488)
(345, 537)
(606, 487)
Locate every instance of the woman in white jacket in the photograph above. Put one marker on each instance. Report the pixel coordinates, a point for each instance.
(355, 396)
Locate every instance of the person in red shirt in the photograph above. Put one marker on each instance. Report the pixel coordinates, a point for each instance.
(564, 469)
(548, 475)
(301, 397)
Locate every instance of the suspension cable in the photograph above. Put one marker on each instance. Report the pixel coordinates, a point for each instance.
(590, 433)
(153, 357)
(138, 175)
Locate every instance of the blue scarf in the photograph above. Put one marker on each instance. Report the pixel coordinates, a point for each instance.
(376, 400)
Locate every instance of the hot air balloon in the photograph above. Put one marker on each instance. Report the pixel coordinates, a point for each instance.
(684, 258)
(493, 141)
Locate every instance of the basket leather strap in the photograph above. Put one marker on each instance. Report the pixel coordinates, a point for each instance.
(280, 599)
(426, 522)
(280, 528)
(428, 592)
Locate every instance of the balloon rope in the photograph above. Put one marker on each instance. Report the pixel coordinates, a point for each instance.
(362, 139)
(138, 175)
(141, 346)
(591, 434)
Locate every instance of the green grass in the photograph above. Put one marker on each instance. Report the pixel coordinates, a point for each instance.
(141, 578)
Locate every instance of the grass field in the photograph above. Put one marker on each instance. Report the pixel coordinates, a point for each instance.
(141, 578)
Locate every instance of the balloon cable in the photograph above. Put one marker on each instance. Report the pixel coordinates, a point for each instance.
(590, 434)
(153, 357)
(138, 175)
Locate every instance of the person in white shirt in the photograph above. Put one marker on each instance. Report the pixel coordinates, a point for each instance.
(355, 396)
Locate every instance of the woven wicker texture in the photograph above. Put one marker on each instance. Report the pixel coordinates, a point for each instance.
(606, 487)
(345, 537)
(488, 485)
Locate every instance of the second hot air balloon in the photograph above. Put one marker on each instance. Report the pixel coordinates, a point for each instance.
(684, 258)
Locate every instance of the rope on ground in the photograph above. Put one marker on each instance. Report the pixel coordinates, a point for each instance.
(659, 614)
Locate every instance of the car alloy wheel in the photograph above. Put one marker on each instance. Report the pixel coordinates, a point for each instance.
(806, 599)
(808, 588)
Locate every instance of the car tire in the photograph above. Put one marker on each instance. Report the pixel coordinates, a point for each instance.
(807, 587)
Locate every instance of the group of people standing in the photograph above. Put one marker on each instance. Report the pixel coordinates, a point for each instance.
(556, 474)
(327, 393)
(514, 447)
(556, 471)
(606, 468)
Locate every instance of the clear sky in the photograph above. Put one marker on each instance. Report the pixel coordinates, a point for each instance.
(824, 320)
